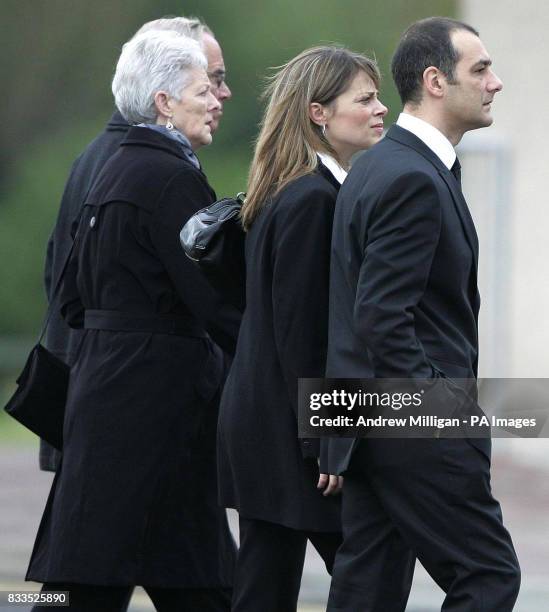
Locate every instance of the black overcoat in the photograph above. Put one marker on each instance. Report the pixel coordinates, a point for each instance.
(61, 340)
(265, 472)
(135, 498)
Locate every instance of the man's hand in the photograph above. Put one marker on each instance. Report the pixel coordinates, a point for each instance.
(331, 484)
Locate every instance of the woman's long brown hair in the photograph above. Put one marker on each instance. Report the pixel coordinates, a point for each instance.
(288, 140)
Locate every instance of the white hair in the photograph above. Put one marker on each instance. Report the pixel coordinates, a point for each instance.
(157, 60)
(187, 26)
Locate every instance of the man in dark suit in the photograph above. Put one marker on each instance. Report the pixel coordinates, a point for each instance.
(61, 339)
(404, 304)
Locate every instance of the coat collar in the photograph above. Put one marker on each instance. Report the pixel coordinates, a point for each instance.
(117, 123)
(431, 136)
(149, 138)
(408, 139)
(323, 170)
(333, 166)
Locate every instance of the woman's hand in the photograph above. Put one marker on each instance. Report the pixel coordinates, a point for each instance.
(331, 484)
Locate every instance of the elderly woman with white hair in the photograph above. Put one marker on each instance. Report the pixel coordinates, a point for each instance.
(134, 501)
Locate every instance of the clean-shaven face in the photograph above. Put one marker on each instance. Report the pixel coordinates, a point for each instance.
(469, 100)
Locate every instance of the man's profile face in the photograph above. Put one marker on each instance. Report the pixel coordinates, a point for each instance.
(469, 99)
(216, 73)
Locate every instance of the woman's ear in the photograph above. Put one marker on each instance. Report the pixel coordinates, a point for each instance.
(162, 101)
(318, 113)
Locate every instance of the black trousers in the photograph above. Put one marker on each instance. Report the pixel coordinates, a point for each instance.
(429, 498)
(270, 564)
(95, 598)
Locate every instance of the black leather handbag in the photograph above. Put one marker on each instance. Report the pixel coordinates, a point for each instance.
(213, 238)
(39, 400)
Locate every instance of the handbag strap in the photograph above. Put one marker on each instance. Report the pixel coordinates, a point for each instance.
(53, 295)
(51, 300)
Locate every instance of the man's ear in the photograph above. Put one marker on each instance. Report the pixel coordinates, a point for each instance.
(163, 103)
(318, 113)
(434, 81)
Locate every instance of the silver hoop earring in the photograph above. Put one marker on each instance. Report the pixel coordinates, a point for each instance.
(324, 130)
(169, 124)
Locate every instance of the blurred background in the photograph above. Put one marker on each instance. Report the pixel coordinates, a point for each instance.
(59, 57)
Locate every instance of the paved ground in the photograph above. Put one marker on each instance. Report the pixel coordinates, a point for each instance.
(521, 485)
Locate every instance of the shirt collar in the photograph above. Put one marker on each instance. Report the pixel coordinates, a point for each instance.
(433, 138)
(339, 173)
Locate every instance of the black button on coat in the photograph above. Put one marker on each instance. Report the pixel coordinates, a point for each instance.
(265, 471)
(135, 498)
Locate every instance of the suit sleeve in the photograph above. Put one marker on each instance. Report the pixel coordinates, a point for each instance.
(186, 193)
(301, 263)
(399, 250)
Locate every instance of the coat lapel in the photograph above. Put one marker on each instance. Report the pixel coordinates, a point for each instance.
(327, 174)
(410, 140)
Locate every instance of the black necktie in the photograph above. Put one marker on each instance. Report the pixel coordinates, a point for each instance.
(456, 171)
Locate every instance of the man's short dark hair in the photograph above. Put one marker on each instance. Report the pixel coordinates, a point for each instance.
(425, 43)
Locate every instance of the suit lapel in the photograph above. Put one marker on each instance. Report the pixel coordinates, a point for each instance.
(410, 140)
(463, 212)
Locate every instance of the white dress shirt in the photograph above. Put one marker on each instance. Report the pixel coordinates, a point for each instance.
(339, 173)
(433, 138)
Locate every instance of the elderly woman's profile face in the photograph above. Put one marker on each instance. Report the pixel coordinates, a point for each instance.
(192, 115)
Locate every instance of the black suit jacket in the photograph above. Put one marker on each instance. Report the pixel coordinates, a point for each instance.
(403, 297)
(61, 339)
(266, 472)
